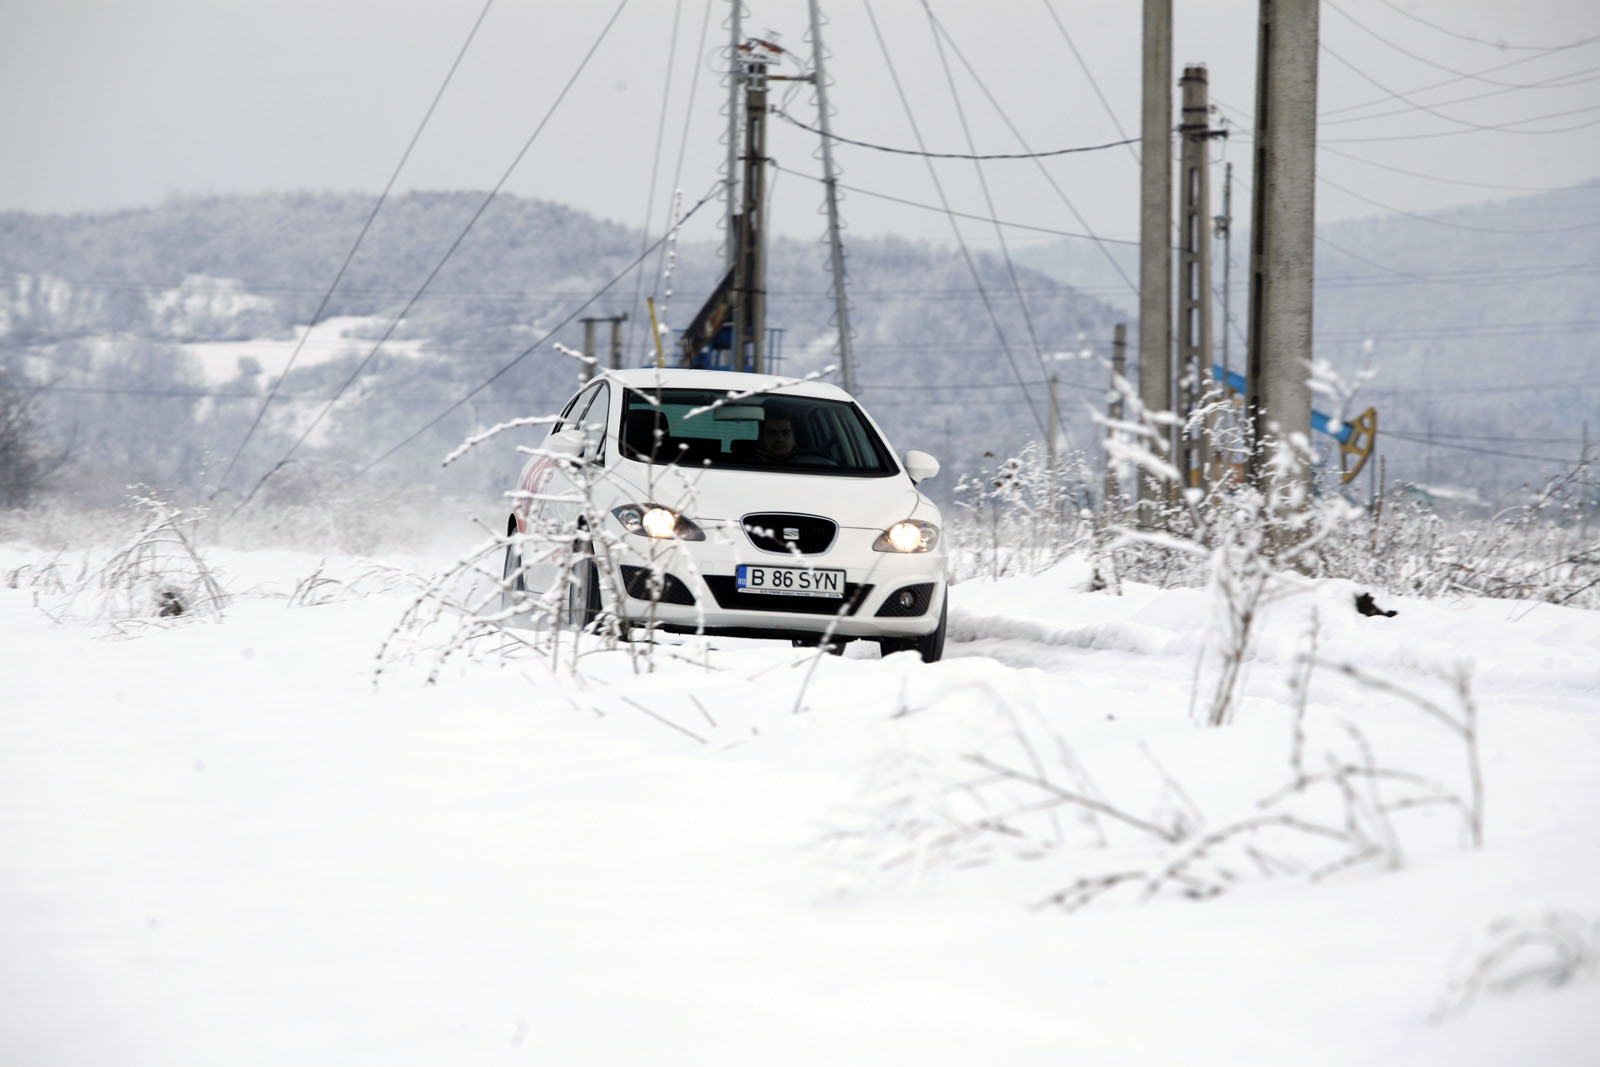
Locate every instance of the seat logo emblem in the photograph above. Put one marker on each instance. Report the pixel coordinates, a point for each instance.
(791, 533)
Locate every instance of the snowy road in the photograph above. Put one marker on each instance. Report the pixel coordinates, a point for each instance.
(222, 843)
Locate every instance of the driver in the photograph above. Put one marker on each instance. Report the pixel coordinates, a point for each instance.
(776, 443)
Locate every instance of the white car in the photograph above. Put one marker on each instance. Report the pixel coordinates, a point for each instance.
(745, 505)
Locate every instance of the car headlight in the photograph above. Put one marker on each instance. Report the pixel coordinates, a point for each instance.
(912, 535)
(653, 520)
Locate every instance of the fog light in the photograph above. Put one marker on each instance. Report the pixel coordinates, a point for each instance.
(907, 599)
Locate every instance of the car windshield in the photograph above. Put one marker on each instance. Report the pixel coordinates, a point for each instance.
(713, 428)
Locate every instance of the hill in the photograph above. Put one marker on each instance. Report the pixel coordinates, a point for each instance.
(113, 315)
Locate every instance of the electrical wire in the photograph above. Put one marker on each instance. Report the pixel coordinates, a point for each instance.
(462, 236)
(349, 256)
(1460, 74)
(1504, 127)
(964, 214)
(1043, 171)
(1561, 81)
(984, 157)
(1323, 146)
(1500, 45)
(526, 352)
(955, 227)
(936, 30)
(1131, 142)
(1417, 439)
(1446, 222)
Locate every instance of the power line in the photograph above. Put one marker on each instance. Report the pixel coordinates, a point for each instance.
(1560, 81)
(1506, 127)
(782, 114)
(1324, 147)
(963, 214)
(349, 256)
(526, 352)
(1131, 142)
(988, 198)
(462, 236)
(1446, 222)
(1418, 439)
(966, 253)
(1363, 27)
(1501, 45)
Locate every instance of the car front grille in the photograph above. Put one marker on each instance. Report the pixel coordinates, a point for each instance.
(776, 531)
(725, 588)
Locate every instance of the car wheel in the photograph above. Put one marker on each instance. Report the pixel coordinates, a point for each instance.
(583, 588)
(931, 648)
(514, 587)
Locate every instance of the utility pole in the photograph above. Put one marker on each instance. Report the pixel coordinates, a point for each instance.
(1119, 362)
(750, 268)
(590, 358)
(1282, 232)
(730, 229)
(1194, 269)
(587, 370)
(1155, 233)
(616, 340)
(830, 189)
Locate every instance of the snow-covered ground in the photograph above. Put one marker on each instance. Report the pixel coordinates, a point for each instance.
(346, 335)
(232, 842)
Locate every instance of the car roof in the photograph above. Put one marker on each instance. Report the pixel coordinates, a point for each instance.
(645, 378)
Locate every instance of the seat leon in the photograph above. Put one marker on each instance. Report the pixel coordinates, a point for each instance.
(700, 501)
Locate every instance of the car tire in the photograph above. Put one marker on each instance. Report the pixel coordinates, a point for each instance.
(583, 588)
(514, 586)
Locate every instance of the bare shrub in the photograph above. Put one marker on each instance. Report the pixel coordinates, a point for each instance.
(1517, 952)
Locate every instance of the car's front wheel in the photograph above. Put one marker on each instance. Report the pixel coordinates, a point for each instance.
(513, 587)
(583, 588)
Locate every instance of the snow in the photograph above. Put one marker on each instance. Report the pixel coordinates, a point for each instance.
(225, 842)
(327, 340)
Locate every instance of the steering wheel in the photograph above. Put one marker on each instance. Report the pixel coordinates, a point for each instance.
(810, 457)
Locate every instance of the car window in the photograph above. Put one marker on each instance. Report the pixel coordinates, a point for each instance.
(594, 424)
(699, 427)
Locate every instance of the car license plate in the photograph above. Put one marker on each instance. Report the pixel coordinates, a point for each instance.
(791, 581)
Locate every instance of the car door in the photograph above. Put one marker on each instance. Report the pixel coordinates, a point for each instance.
(558, 499)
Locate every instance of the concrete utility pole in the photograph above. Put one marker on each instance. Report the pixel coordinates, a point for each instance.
(1194, 268)
(1282, 231)
(590, 359)
(1155, 232)
(616, 340)
(750, 269)
(587, 370)
(830, 189)
(730, 230)
(1119, 364)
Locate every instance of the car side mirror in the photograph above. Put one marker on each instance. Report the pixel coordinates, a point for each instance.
(920, 465)
(567, 444)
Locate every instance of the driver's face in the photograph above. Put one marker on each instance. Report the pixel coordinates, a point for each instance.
(777, 436)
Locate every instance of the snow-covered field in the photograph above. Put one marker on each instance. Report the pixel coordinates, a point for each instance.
(231, 842)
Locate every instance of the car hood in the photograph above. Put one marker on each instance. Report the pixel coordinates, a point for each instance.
(727, 495)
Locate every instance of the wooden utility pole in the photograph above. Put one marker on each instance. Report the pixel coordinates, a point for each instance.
(1282, 232)
(1155, 233)
(1194, 269)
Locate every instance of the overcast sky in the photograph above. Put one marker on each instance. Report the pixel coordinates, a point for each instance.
(112, 103)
